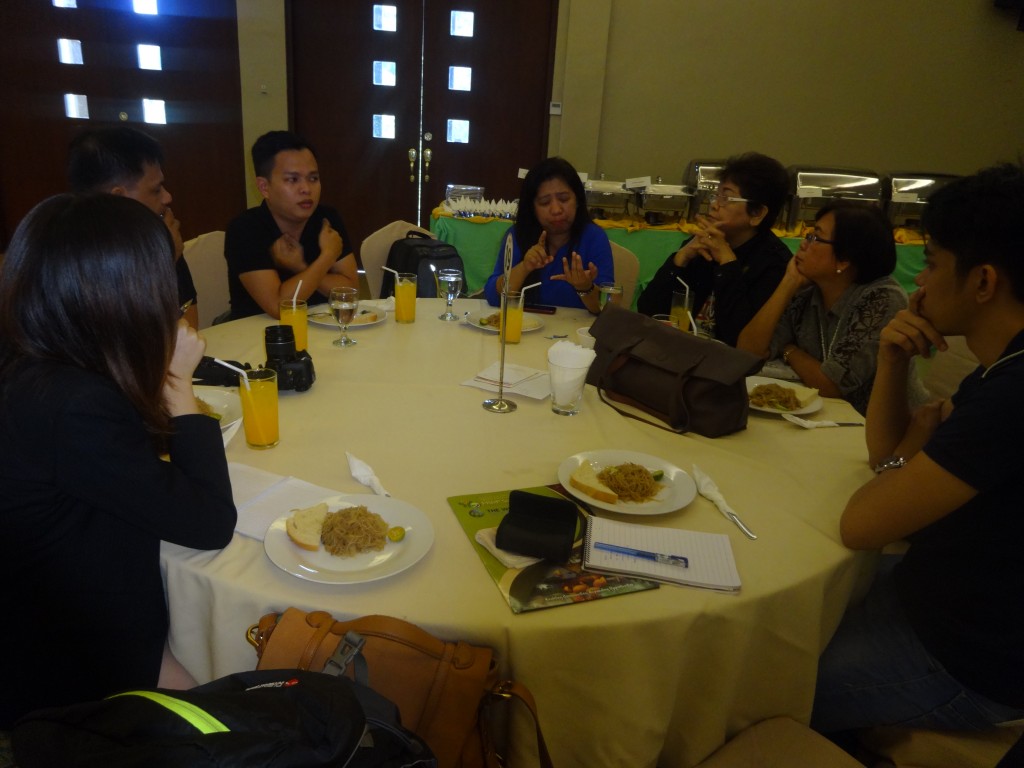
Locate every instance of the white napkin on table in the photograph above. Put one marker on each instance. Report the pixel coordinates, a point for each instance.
(568, 366)
(519, 380)
(261, 497)
(487, 538)
(362, 472)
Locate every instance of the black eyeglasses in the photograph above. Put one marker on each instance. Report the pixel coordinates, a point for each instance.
(813, 237)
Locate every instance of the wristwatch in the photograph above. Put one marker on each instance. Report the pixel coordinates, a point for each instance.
(893, 462)
(581, 294)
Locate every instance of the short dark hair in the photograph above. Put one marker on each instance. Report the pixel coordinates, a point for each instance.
(862, 236)
(88, 281)
(762, 180)
(266, 147)
(978, 218)
(527, 226)
(102, 158)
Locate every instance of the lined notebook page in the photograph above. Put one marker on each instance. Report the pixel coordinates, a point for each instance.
(710, 554)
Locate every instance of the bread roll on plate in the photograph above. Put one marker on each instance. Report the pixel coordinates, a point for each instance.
(584, 478)
(305, 526)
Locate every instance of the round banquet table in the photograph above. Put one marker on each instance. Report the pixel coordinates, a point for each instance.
(661, 677)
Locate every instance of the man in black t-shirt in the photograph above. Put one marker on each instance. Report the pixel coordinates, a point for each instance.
(939, 640)
(289, 237)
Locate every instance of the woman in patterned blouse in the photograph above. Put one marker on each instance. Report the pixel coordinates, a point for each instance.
(824, 318)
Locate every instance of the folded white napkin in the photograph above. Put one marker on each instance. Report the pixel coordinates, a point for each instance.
(230, 432)
(486, 537)
(362, 472)
(519, 380)
(262, 497)
(570, 355)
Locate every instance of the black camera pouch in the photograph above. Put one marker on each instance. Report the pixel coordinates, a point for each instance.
(538, 526)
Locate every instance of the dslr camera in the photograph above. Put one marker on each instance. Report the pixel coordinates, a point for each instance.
(294, 369)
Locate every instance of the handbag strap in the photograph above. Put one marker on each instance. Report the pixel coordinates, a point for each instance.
(509, 689)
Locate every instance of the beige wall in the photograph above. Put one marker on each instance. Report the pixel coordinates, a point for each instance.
(647, 85)
(262, 60)
(879, 84)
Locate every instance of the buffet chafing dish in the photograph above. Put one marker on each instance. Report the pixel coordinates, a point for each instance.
(604, 196)
(659, 201)
(907, 193)
(811, 188)
(463, 191)
(702, 178)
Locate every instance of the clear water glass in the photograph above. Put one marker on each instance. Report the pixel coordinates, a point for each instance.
(451, 281)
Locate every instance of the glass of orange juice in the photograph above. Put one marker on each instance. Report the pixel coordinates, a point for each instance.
(259, 408)
(512, 314)
(682, 310)
(405, 297)
(294, 313)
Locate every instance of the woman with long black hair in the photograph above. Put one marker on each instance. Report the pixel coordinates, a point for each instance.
(103, 453)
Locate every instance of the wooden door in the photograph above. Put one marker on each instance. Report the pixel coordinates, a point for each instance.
(198, 83)
(335, 56)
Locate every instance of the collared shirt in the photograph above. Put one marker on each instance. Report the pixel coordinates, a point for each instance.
(844, 338)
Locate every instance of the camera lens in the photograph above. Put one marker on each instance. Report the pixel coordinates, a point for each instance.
(280, 342)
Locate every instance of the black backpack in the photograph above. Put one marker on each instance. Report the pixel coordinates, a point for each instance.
(269, 718)
(415, 253)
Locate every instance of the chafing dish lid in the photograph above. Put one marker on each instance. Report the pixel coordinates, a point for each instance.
(703, 174)
(606, 187)
(666, 190)
(809, 181)
(910, 187)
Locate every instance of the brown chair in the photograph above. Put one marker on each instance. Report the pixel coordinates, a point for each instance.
(374, 251)
(779, 743)
(627, 268)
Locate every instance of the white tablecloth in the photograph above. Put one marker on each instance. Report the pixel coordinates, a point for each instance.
(654, 678)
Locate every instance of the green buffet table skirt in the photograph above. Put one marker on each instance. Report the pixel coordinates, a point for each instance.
(479, 239)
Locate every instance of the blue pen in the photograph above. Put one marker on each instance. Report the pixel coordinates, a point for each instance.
(657, 557)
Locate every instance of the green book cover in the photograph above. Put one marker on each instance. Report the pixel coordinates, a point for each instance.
(543, 584)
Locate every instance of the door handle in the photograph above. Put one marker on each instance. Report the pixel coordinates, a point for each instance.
(412, 165)
(428, 155)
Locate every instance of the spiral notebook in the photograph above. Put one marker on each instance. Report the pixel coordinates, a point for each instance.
(711, 563)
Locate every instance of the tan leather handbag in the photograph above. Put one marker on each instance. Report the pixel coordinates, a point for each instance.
(443, 690)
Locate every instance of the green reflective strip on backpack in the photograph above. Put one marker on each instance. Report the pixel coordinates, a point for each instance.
(202, 720)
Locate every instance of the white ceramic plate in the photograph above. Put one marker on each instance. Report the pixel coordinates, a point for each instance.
(325, 568)
(753, 381)
(321, 315)
(530, 323)
(222, 400)
(678, 489)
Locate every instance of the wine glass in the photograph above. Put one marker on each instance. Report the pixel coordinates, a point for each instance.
(451, 279)
(344, 303)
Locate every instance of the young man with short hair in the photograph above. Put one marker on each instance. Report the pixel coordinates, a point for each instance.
(125, 161)
(939, 640)
(289, 237)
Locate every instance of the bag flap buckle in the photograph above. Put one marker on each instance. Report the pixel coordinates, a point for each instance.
(347, 651)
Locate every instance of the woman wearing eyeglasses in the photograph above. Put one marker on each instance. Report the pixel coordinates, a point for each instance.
(824, 318)
(734, 262)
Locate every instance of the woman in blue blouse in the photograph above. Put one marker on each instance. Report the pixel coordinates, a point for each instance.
(554, 242)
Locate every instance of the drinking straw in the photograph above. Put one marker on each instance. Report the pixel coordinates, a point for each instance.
(392, 271)
(295, 298)
(242, 373)
(522, 293)
(437, 285)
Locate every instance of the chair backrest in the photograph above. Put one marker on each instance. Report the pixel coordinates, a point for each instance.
(374, 251)
(627, 268)
(205, 258)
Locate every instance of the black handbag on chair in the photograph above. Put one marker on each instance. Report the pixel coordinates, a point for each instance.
(691, 384)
